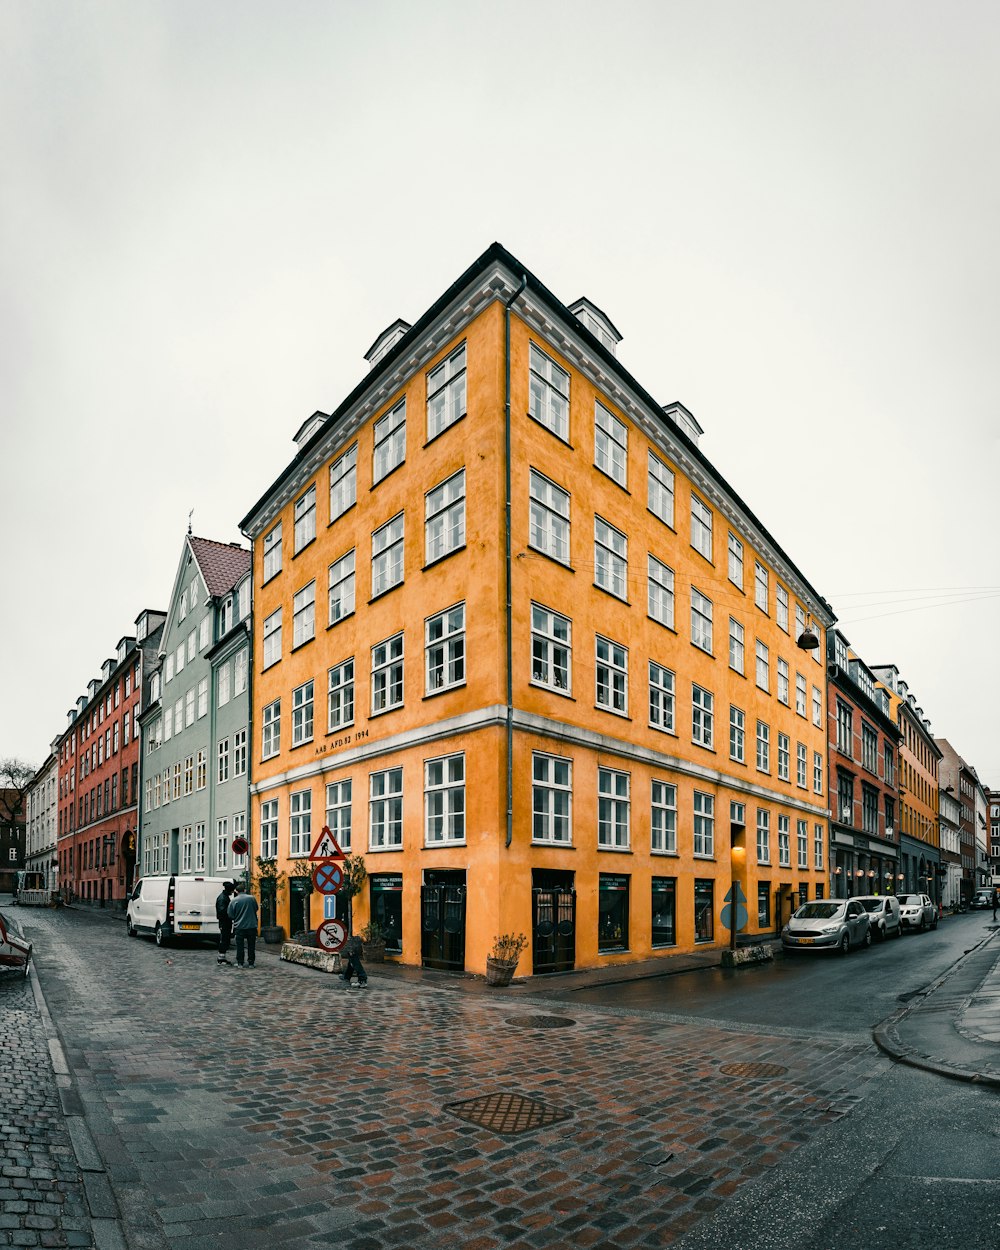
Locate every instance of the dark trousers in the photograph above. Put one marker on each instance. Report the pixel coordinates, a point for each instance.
(354, 967)
(248, 936)
(225, 936)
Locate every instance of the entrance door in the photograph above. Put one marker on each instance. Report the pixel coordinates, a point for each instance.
(299, 893)
(553, 921)
(442, 919)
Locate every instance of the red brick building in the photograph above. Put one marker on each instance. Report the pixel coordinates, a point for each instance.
(98, 757)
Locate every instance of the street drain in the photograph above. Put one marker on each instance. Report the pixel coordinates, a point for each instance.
(753, 1069)
(540, 1022)
(508, 1114)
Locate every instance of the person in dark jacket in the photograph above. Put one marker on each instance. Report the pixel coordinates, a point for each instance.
(243, 913)
(225, 923)
(352, 965)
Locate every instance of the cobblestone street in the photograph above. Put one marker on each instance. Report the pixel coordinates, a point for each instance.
(273, 1107)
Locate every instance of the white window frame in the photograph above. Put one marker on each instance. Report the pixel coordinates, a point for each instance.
(272, 639)
(662, 701)
(305, 519)
(703, 825)
(763, 666)
(385, 809)
(269, 829)
(388, 555)
(761, 586)
(763, 747)
(702, 524)
(340, 695)
(302, 713)
(660, 490)
(551, 650)
(304, 615)
(610, 444)
(702, 612)
(272, 560)
(610, 559)
(339, 811)
(663, 817)
(389, 450)
(737, 734)
(613, 810)
(763, 836)
(444, 650)
(446, 392)
(344, 482)
(737, 647)
(548, 517)
(387, 674)
(702, 716)
(548, 393)
(611, 675)
(299, 823)
(444, 800)
(444, 518)
(660, 591)
(341, 588)
(784, 757)
(270, 730)
(551, 799)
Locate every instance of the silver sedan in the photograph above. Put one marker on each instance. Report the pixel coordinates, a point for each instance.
(827, 924)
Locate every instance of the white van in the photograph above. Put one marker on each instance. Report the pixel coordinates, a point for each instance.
(174, 906)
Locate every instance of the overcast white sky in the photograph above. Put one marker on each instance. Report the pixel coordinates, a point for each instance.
(789, 210)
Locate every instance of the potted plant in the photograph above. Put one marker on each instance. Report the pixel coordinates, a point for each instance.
(502, 959)
(373, 936)
(270, 883)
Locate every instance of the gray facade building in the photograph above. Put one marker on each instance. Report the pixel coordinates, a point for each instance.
(196, 722)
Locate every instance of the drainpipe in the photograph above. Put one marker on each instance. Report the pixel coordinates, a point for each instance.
(250, 748)
(510, 613)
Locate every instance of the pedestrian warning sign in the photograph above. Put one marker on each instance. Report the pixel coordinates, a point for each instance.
(327, 846)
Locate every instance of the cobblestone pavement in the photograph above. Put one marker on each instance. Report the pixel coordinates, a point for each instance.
(272, 1107)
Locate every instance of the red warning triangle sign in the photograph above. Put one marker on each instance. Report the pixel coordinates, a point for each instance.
(327, 846)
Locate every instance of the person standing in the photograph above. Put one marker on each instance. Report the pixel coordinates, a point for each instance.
(351, 955)
(225, 922)
(995, 901)
(243, 913)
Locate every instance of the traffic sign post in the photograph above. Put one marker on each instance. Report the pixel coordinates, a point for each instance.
(328, 878)
(331, 936)
(734, 913)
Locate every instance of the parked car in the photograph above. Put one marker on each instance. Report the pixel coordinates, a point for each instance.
(828, 924)
(916, 911)
(15, 949)
(982, 898)
(883, 915)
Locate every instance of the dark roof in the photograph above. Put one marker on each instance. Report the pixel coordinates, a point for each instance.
(221, 564)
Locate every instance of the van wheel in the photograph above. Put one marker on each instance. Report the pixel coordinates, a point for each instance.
(160, 936)
(130, 928)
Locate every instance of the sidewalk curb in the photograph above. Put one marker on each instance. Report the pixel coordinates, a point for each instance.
(886, 1037)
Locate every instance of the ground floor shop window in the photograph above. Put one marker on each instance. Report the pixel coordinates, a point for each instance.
(704, 910)
(664, 896)
(612, 905)
(763, 904)
(386, 894)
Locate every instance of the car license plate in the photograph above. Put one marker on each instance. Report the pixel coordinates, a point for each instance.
(190, 926)
(806, 941)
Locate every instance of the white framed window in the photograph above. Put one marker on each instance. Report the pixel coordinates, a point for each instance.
(704, 825)
(300, 822)
(701, 621)
(269, 829)
(701, 526)
(817, 773)
(205, 628)
(304, 615)
(344, 482)
(784, 843)
(661, 697)
(784, 758)
(340, 696)
(192, 646)
(240, 668)
(660, 592)
(180, 661)
(385, 809)
(610, 559)
(444, 518)
(548, 393)
(223, 760)
(444, 800)
(551, 649)
(613, 804)
(239, 752)
(168, 723)
(548, 518)
(818, 707)
(663, 818)
(239, 831)
(201, 769)
(188, 712)
(446, 393)
(387, 674)
(223, 689)
(338, 811)
(610, 444)
(179, 715)
(189, 775)
(168, 671)
(660, 490)
(702, 716)
(800, 694)
(390, 442)
(612, 675)
(199, 847)
(763, 836)
(737, 734)
(763, 666)
(272, 559)
(444, 649)
(272, 638)
(763, 747)
(801, 765)
(551, 799)
(222, 842)
(760, 586)
(270, 730)
(818, 840)
(781, 606)
(802, 843)
(735, 560)
(203, 698)
(243, 608)
(387, 556)
(305, 519)
(783, 689)
(736, 646)
(186, 847)
(302, 713)
(342, 588)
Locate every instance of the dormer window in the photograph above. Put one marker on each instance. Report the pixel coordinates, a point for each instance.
(225, 615)
(385, 342)
(140, 628)
(598, 323)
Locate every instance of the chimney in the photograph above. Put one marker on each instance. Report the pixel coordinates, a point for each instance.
(386, 341)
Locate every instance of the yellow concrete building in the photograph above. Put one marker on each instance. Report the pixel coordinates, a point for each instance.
(519, 645)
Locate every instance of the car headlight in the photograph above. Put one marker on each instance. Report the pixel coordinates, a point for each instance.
(830, 928)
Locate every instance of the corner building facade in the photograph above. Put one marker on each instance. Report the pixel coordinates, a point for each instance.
(519, 645)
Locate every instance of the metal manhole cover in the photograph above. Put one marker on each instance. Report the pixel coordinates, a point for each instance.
(540, 1022)
(753, 1069)
(507, 1114)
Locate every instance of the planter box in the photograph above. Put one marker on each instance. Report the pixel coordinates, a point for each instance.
(272, 934)
(311, 956)
(499, 972)
(373, 952)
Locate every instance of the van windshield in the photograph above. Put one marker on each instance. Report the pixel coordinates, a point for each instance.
(871, 904)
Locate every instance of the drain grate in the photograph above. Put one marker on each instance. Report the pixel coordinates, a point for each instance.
(753, 1069)
(540, 1022)
(508, 1114)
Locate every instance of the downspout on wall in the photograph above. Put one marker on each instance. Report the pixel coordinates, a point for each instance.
(248, 625)
(507, 556)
